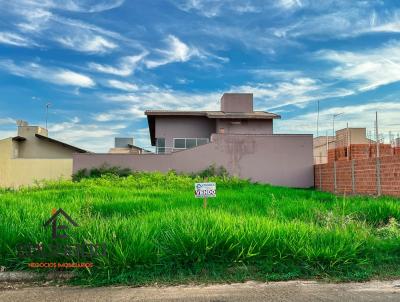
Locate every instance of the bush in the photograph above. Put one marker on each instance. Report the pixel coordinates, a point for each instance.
(211, 171)
(101, 171)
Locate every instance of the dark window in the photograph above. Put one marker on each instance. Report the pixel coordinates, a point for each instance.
(202, 141)
(179, 143)
(190, 143)
(160, 145)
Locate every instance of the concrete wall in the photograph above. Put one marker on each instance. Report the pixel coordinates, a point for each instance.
(34, 147)
(245, 126)
(16, 172)
(237, 102)
(284, 160)
(183, 127)
(351, 136)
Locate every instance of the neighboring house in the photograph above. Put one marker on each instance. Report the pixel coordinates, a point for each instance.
(343, 138)
(124, 145)
(321, 145)
(178, 130)
(32, 156)
(236, 137)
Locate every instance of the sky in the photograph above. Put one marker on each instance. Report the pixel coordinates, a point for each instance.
(100, 64)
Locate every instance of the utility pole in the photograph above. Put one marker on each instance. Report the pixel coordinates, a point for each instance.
(317, 118)
(378, 161)
(47, 112)
(327, 146)
(348, 141)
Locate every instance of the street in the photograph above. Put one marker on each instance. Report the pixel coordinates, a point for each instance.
(299, 291)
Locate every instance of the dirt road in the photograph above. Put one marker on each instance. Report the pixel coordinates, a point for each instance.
(250, 291)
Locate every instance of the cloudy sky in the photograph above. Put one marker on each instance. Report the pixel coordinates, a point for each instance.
(102, 63)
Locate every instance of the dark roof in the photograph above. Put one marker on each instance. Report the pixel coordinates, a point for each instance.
(18, 139)
(52, 140)
(151, 114)
(215, 114)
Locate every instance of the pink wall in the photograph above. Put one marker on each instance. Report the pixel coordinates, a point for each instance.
(285, 160)
(237, 102)
(251, 126)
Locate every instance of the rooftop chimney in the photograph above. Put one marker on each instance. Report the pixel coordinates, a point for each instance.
(25, 130)
(237, 102)
(123, 142)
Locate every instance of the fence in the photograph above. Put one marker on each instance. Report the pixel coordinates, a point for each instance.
(370, 176)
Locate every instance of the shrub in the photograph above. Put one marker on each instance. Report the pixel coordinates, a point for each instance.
(211, 171)
(101, 171)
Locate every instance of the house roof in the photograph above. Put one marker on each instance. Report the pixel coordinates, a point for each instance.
(18, 139)
(52, 140)
(214, 114)
(151, 114)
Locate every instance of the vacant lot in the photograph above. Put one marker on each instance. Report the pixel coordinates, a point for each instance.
(156, 231)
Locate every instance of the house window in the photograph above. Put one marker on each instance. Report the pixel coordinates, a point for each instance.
(160, 144)
(191, 142)
(202, 141)
(187, 143)
(179, 143)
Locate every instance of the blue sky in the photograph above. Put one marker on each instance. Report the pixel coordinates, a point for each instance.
(102, 63)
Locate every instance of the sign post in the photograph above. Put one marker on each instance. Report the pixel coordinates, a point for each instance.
(204, 190)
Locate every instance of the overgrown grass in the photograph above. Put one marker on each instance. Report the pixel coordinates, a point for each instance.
(156, 231)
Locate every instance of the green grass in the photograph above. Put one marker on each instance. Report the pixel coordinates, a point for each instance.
(156, 231)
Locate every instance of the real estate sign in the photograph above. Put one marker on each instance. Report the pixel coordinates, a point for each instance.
(205, 189)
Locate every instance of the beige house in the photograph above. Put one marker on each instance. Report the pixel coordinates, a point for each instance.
(343, 137)
(321, 144)
(125, 145)
(33, 156)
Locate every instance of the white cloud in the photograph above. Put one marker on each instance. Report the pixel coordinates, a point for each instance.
(171, 99)
(33, 19)
(42, 21)
(212, 8)
(370, 68)
(129, 113)
(349, 19)
(176, 51)
(87, 43)
(359, 115)
(7, 121)
(122, 85)
(52, 75)
(83, 6)
(288, 4)
(91, 137)
(296, 91)
(125, 67)
(15, 39)
(67, 77)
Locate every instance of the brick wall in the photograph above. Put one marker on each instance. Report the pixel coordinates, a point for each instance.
(361, 151)
(358, 176)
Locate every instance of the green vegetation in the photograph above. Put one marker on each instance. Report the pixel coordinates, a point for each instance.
(156, 231)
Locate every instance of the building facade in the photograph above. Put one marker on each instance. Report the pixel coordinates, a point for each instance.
(33, 156)
(236, 137)
(179, 130)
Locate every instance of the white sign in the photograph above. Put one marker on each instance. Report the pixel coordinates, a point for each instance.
(205, 189)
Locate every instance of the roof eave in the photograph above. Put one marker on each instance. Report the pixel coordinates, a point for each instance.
(52, 140)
